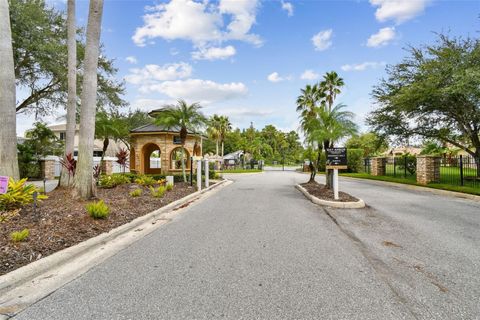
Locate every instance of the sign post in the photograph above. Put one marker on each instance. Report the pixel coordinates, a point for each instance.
(3, 184)
(336, 159)
(207, 169)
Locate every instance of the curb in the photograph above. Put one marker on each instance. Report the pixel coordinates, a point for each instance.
(440, 192)
(25, 279)
(335, 204)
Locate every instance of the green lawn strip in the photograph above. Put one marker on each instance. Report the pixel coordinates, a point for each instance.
(442, 186)
(239, 171)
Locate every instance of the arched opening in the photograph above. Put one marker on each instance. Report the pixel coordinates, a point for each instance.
(151, 161)
(176, 159)
(132, 159)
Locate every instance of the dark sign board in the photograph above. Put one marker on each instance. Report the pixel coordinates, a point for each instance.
(336, 158)
(177, 140)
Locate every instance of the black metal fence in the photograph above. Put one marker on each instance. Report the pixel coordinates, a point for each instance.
(401, 167)
(460, 170)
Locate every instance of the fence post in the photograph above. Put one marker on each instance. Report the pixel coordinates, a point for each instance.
(461, 170)
(394, 167)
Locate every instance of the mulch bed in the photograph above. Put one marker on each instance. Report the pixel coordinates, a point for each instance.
(61, 221)
(320, 191)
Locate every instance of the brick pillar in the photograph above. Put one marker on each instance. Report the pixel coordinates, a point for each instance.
(48, 168)
(107, 167)
(428, 169)
(378, 166)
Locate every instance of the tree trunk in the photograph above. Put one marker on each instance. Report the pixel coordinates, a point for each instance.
(72, 88)
(183, 164)
(84, 184)
(223, 148)
(216, 147)
(8, 124)
(328, 172)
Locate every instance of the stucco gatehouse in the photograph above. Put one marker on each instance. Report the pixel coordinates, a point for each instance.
(152, 141)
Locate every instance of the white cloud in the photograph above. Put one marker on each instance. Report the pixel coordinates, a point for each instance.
(362, 66)
(204, 91)
(152, 72)
(214, 53)
(131, 59)
(150, 104)
(309, 75)
(275, 77)
(398, 10)
(202, 23)
(322, 40)
(287, 6)
(382, 37)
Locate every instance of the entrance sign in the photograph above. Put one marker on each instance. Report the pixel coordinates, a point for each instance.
(336, 158)
(3, 184)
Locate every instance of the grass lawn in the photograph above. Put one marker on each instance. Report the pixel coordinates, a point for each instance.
(239, 171)
(410, 181)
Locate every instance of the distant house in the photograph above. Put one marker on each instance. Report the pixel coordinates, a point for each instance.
(400, 151)
(233, 159)
(60, 131)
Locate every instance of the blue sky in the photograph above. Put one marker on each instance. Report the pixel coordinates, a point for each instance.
(249, 59)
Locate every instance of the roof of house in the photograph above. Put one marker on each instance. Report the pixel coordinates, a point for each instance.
(61, 127)
(234, 155)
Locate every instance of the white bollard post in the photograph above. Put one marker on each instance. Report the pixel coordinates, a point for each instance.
(169, 180)
(335, 184)
(207, 178)
(199, 175)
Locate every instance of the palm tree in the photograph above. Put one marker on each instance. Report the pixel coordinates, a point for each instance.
(224, 126)
(309, 99)
(186, 118)
(84, 182)
(8, 134)
(212, 130)
(331, 86)
(72, 87)
(106, 128)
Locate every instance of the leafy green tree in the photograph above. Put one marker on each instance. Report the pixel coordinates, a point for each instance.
(40, 57)
(129, 121)
(106, 128)
(370, 142)
(432, 147)
(213, 131)
(224, 126)
(433, 93)
(40, 142)
(186, 117)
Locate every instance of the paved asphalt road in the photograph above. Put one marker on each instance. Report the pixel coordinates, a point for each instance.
(259, 250)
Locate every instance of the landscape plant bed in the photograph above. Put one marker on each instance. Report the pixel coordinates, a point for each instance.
(322, 192)
(61, 221)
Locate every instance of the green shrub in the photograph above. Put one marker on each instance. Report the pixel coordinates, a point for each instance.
(18, 236)
(97, 210)
(145, 180)
(136, 193)
(169, 187)
(355, 160)
(19, 194)
(113, 180)
(158, 192)
(130, 175)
